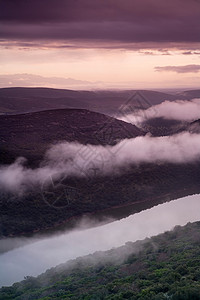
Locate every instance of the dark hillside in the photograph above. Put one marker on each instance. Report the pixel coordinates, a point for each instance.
(19, 100)
(163, 127)
(30, 135)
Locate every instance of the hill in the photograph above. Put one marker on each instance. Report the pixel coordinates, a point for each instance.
(31, 134)
(190, 94)
(163, 267)
(166, 127)
(163, 127)
(194, 127)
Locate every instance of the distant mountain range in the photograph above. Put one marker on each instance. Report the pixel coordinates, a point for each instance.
(20, 100)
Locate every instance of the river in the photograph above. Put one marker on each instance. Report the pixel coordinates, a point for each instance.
(33, 258)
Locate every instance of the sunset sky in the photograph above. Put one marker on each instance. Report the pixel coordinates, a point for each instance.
(122, 43)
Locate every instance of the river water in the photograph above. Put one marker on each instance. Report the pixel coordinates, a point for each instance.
(34, 258)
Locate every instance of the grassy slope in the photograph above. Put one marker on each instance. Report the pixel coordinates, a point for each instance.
(166, 266)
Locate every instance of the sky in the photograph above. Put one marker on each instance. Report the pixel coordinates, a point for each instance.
(105, 43)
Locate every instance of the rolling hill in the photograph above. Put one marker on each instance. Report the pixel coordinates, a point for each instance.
(19, 100)
(31, 134)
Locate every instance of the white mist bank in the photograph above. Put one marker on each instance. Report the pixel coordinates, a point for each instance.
(35, 258)
(74, 159)
(181, 110)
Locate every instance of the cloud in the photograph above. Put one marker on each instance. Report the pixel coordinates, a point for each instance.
(94, 10)
(191, 53)
(159, 48)
(139, 21)
(179, 69)
(30, 80)
(181, 110)
(74, 159)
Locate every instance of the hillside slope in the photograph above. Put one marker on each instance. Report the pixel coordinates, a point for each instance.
(30, 135)
(163, 267)
(166, 127)
(190, 94)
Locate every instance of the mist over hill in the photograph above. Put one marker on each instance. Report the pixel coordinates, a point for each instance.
(31, 134)
(163, 266)
(77, 161)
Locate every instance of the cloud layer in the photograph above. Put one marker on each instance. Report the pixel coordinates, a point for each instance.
(18, 80)
(95, 10)
(173, 110)
(67, 159)
(108, 20)
(179, 69)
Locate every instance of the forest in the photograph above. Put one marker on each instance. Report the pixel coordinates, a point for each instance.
(162, 267)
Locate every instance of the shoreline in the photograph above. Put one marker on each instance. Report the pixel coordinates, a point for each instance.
(101, 217)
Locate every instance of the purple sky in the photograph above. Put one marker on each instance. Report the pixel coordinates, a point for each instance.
(115, 25)
(125, 21)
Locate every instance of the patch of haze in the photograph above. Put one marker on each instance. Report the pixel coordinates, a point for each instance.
(82, 223)
(173, 110)
(66, 159)
(33, 259)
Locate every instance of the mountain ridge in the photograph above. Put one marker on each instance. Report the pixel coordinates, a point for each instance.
(19, 99)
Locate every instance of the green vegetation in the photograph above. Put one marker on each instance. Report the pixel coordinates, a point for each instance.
(164, 267)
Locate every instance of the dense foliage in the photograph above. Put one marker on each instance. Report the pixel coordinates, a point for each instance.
(143, 186)
(164, 267)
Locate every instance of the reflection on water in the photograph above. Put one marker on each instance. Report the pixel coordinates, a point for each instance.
(35, 258)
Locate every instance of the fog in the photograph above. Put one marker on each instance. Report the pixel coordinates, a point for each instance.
(35, 258)
(181, 110)
(66, 159)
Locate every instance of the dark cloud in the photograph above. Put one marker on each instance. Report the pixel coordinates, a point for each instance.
(155, 52)
(179, 69)
(191, 53)
(95, 10)
(121, 21)
(187, 53)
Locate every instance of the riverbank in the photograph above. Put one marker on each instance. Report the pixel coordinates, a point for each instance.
(49, 251)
